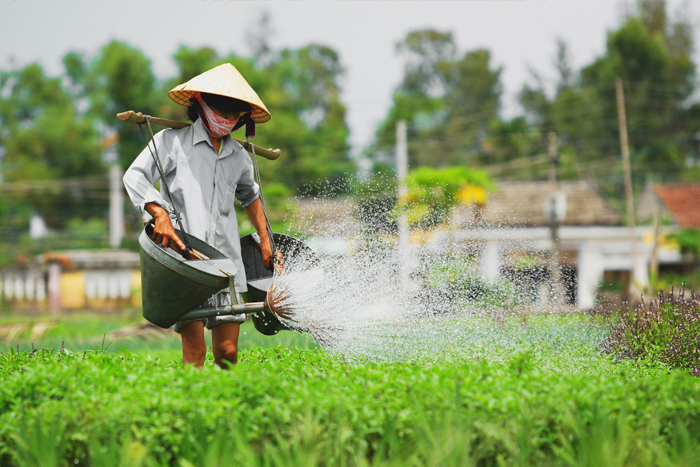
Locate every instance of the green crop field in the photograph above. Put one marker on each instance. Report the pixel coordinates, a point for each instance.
(551, 400)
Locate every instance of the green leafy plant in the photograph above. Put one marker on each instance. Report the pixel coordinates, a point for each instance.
(283, 407)
(432, 192)
(462, 283)
(688, 240)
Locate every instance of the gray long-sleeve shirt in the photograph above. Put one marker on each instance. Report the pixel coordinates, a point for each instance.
(203, 185)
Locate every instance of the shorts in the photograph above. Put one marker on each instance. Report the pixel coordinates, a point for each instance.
(219, 299)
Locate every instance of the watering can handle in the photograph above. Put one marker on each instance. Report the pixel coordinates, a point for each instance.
(189, 252)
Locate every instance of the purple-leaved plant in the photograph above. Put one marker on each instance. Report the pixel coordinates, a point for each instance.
(666, 330)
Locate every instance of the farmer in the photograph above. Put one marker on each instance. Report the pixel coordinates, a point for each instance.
(205, 168)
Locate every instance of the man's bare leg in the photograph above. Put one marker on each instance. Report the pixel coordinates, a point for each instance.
(224, 343)
(194, 347)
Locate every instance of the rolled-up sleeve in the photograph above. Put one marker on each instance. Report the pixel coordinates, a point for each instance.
(247, 190)
(142, 175)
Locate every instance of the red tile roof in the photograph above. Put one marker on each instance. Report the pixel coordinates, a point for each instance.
(683, 201)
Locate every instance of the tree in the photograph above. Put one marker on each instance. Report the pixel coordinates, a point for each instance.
(45, 138)
(119, 78)
(193, 62)
(474, 89)
(562, 63)
(447, 100)
(473, 100)
(508, 140)
(429, 56)
(652, 55)
(309, 77)
(657, 81)
(258, 39)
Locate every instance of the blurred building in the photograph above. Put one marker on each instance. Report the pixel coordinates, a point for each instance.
(74, 280)
(524, 204)
(594, 247)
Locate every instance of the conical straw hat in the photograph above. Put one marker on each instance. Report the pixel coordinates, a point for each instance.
(223, 80)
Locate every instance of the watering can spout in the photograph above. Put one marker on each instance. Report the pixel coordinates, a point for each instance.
(273, 304)
(277, 302)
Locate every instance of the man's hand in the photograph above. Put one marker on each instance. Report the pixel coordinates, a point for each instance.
(163, 232)
(257, 217)
(267, 257)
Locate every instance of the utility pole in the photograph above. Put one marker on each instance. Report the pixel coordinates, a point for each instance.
(116, 206)
(401, 173)
(624, 148)
(116, 199)
(401, 155)
(555, 263)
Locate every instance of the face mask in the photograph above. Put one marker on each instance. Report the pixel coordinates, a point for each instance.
(215, 124)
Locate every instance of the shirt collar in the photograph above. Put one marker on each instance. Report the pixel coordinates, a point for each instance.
(200, 134)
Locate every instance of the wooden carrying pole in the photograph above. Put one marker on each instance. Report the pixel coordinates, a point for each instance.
(138, 117)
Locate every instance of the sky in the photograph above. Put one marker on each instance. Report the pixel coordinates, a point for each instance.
(521, 35)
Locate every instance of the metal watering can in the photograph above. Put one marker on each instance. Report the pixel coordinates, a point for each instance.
(259, 278)
(172, 286)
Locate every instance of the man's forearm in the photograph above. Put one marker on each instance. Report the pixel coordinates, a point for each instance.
(257, 217)
(156, 210)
